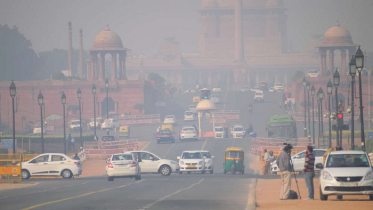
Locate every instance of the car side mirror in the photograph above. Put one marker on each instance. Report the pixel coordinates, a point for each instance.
(178, 157)
(319, 166)
(212, 156)
(108, 161)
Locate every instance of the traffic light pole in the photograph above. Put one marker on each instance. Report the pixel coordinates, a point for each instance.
(336, 111)
(352, 114)
(361, 114)
(330, 124)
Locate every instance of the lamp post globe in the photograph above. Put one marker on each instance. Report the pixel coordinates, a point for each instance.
(352, 66)
(329, 87)
(93, 89)
(313, 90)
(13, 93)
(63, 98)
(40, 98)
(336, 78)
(79, 93)
(308, 86)
(304, 82)
(106, 83)
(321, 94)
(13, 89)
(359, 56)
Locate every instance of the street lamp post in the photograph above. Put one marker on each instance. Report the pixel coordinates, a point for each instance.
(41, 103)
(94, 106)
(321, 115)
(63, 101)
(79, 94)
(313, 114)
(308, 107)
(329, 89)
(13, 93)
(107, 98)
(304, 82)
(359, 58)
(336, 79)
(352, 73)
(318, 112)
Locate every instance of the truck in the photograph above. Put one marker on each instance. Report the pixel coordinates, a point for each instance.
(263, 85)
(282, 126)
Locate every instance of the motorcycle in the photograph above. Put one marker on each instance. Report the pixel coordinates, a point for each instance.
(253, 134)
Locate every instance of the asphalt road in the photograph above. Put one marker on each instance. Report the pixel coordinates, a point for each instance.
(178, 191)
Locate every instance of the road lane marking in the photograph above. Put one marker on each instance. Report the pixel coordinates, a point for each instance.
(169, 149)
(146, 145)
(170, 195)
(79, 196)
(251, 200)
(204, 144)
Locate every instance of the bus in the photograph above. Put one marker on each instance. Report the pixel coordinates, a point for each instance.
(263, 85)
(282, 126)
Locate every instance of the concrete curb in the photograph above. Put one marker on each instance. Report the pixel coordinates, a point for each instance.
(251, 201)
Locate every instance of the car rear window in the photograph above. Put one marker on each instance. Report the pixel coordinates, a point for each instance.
(347, 160)
(188, 113)
(191, 155)
(168, 131)
(122, 157)
(188, 129)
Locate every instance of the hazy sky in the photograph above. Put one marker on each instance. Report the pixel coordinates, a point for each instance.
(143, 24)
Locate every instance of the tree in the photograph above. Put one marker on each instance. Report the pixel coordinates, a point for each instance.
(18, 61)
(156, 77)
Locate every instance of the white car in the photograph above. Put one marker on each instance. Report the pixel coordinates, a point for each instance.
(37, 130)
(151, 163)
(189, 116)
(74, 125)
(123, 165)
(110, 124)
(215, 98)
(193, 107)
(313, 73)
(216, 89)
(51, 164)
(238, 132)
(196, 161)
(254, 89)
(219, 132)
(188, 132)
(245, 89)
(91, 123)
(169, 119)
(278, 87)
(346, 173)
(271, 89)
(259, 96)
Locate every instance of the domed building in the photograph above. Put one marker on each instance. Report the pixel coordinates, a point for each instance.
(335, 38)
(107, 42)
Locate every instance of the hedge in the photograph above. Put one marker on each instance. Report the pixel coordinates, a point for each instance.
(51, 139)
(346, 134)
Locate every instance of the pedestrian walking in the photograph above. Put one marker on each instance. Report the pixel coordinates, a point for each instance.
(267, 163)
(72, 143)
(308, 170)
(68, 139)
(285, 169)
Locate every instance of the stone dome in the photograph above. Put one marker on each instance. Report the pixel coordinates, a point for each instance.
(107, 40)
(206, 105)
(337, 36)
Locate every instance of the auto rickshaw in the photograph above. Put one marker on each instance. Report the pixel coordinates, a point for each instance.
(124, 131)
(196, 99)
(234, 160)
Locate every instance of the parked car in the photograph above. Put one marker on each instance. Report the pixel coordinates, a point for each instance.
(346, 173)
(189, 116)
(313, 73)
(238, 132)
(37, 129)
(188, 132)
(110, 124)
(196, 161)
(165, 136)
(151, 163)
(278, 86)
(271, 89)
(74, 125)
(124, 165)
(51, 164)
(170, 119)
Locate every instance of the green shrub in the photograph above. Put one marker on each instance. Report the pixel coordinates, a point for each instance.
(3, 151)
(346, 134)
(52, 139)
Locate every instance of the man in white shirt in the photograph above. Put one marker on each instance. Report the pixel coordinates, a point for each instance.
(266, 168)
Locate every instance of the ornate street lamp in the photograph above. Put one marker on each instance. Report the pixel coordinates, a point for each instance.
(336, 79)
(304, 82)
(329, 89)
(13, 93)
(94, 107)
(107, 98)
(41, 103)
(321, 115)
(79, 94)
(63, 101)
(359, 57)
(352, 72)
(318, 111)
(313, 114)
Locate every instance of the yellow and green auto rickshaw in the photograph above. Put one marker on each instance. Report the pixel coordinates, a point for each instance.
(124, 131)
(234, 160)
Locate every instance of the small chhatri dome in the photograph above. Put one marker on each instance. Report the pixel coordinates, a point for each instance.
(206, 105)
(107, 40)
(337, 36)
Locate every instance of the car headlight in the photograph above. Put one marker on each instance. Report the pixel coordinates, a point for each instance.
(326, 176)
(369, 175)
(175, 163)
(200, 163)
(181, 162)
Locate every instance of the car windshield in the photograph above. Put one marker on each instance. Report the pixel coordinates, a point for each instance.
(347, 160)
(167, 131)
(75, 122)
(188, 113)
(219, 129)
(189, 129)
(108, 138)
(191, 155)
(238, 129)
(169, 117)
(233, 154)
(206, 154)
(122, 157)
(312, 71)
(258, 94)
(192, 106)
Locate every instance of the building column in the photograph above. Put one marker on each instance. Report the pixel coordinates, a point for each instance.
(238, 20)
(89, 69)
(124, 73)
(120, 70)
(343, 61)
(331, 60)
(257, 78)
(114, 66)
(209, 78)
(70, 49)
(322, 70)
(81, 54)
(324, 63)
(102, 67)
(94, 69)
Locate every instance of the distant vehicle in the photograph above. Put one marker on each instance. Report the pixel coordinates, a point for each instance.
(254, 89)
(238, 132)
(271, 89)
(259, 96)
(189, 116)
(263, 85)
(196, 161)
(74, 125)
(278, 87)
(215, 98)
(51, 164)
(124, 131)
(124, 165)
(205, 93)
(91, 124)
(169, 119)
(165, 136)
(188, 132)
(110, 124)
(113, 115)
(221, 132)
(245, 89)
(151, 163)
(216, 88)
(108, 138)
(313, 73)
(282, 126)
(37, 129)
(193, 107)
(346, 173)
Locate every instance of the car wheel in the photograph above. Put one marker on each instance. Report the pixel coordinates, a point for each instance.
(180, 172)
(225, 171)
(189, 172)
(212, 171)
(195, 139)
(66, 174)
(25, 174)
(339, 197)
(110, 178)
(322, 196)
(165, 170)
(158, 142)
(371, 197)
(138, 177)
(203, 172)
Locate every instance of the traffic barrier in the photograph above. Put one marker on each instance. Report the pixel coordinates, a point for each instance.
(106, 149)
(139, 119)
(10, 168)
(208, 134)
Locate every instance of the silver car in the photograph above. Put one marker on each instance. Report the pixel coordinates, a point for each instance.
(188, 132)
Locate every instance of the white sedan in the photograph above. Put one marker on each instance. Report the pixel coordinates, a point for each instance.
(123, 165)
(188, 132)
(169, 119)
(346, 173)
(151, 163)
(196, 161)
(51, 164)
(238, 132)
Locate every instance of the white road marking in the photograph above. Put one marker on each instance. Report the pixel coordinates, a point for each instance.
(170, 195)
(204, 144)
(169, 149)
(146, 145)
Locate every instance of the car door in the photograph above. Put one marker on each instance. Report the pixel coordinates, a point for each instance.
(146, 162)
(319, 156)
(57, 163)
(298, 161)
(39, 166)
